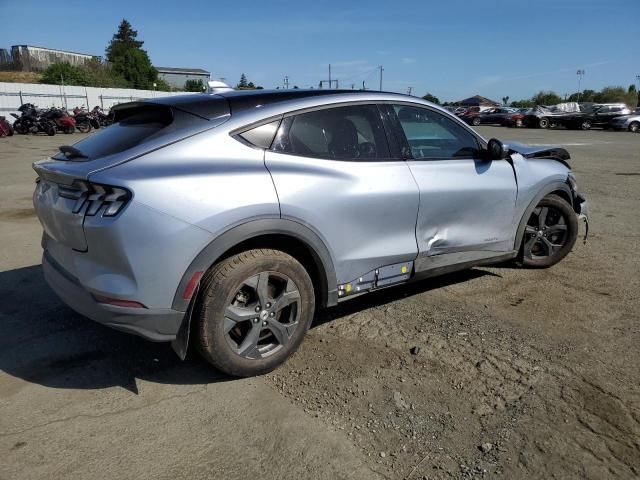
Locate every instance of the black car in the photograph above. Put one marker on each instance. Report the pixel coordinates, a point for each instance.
(599, 116)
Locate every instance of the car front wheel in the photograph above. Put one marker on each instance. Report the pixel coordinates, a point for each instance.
(255, 308)
(634, 127)
(550, 233)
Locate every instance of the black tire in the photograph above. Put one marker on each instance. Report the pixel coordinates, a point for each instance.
(518, 123)
(69, 129)
(543, 250)
(544, 123)
(634, 127)
(227, 286)
(83, 127)
(9, 131)
(475, 122)
(585, 125)
(20, 128)
(50, 129)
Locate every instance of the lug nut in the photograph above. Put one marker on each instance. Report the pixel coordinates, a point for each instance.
(258, 308)
(272, 314)
(256, 320)
(268, 305)
(265, 323)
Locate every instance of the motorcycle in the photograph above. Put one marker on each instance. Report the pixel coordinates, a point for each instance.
(6, 130)
(62, 120)
(103, 119)
(84, 123)
(31, 121)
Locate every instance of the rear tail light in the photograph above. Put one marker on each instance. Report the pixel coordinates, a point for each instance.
(95, 198)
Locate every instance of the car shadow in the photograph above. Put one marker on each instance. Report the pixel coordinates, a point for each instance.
(43, 341)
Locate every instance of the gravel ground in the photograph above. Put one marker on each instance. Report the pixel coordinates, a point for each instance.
(488, 373)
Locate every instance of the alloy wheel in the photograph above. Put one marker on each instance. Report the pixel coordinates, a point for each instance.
(545, 233)
(263, 315)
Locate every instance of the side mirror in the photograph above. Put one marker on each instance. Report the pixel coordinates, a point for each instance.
(496, 150)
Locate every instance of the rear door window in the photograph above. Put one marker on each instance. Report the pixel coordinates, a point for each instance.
(353, 133)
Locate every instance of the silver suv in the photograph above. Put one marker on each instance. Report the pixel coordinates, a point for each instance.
(234, 217)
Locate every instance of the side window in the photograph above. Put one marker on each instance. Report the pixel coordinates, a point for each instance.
(261, 136)
(432, 135)
(351, 133)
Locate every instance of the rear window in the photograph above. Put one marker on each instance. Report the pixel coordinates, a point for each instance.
(137, 125)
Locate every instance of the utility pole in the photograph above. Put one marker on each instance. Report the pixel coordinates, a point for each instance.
(580, 74)
(353, 86)
(409, 91)
(330, 81)
(286, 82)
(363, 87)
(381, 69)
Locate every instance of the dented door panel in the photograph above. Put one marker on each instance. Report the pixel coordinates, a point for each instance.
(465, 205)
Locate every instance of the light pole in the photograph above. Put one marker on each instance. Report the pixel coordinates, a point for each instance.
(580, 74)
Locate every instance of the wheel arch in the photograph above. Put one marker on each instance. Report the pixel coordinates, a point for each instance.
(289, 236)
(560, 189)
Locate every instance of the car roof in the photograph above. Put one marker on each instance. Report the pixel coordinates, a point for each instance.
(208, 105)
(241, 100)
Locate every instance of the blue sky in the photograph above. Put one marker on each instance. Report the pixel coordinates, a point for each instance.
(452, 49)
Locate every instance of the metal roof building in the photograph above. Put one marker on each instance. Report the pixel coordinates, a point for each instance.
(177, 77)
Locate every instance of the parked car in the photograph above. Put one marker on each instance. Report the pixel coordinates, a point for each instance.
(543, 116)
(629, 122)
(492, 116)
(234, 217)
(516, 119)
(599, 116)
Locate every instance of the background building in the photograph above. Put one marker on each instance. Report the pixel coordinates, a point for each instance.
(27, 58)
(177, 77)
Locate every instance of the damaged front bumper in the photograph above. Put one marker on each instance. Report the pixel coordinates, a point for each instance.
(581, 207)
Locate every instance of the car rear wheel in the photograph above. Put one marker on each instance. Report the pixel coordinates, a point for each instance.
(476, 121)
(585, 125)
(544, 123)
(518, 123)
(254, 310)
(550, 233)
(634, 127)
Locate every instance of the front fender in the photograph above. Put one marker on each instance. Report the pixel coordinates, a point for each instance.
(546, 190)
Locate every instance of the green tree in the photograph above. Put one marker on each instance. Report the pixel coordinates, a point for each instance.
(194, 86)
(243, 82)
(101, 74)
(633, 97)
(129, 60)
(546, 98)
(523, 104)
(584, 96)
(64, 73)
(431, 98)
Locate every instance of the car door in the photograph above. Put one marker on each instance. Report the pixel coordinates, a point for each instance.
(467, 203)
(333, 171)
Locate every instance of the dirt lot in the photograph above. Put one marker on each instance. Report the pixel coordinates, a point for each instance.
(520, 373)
